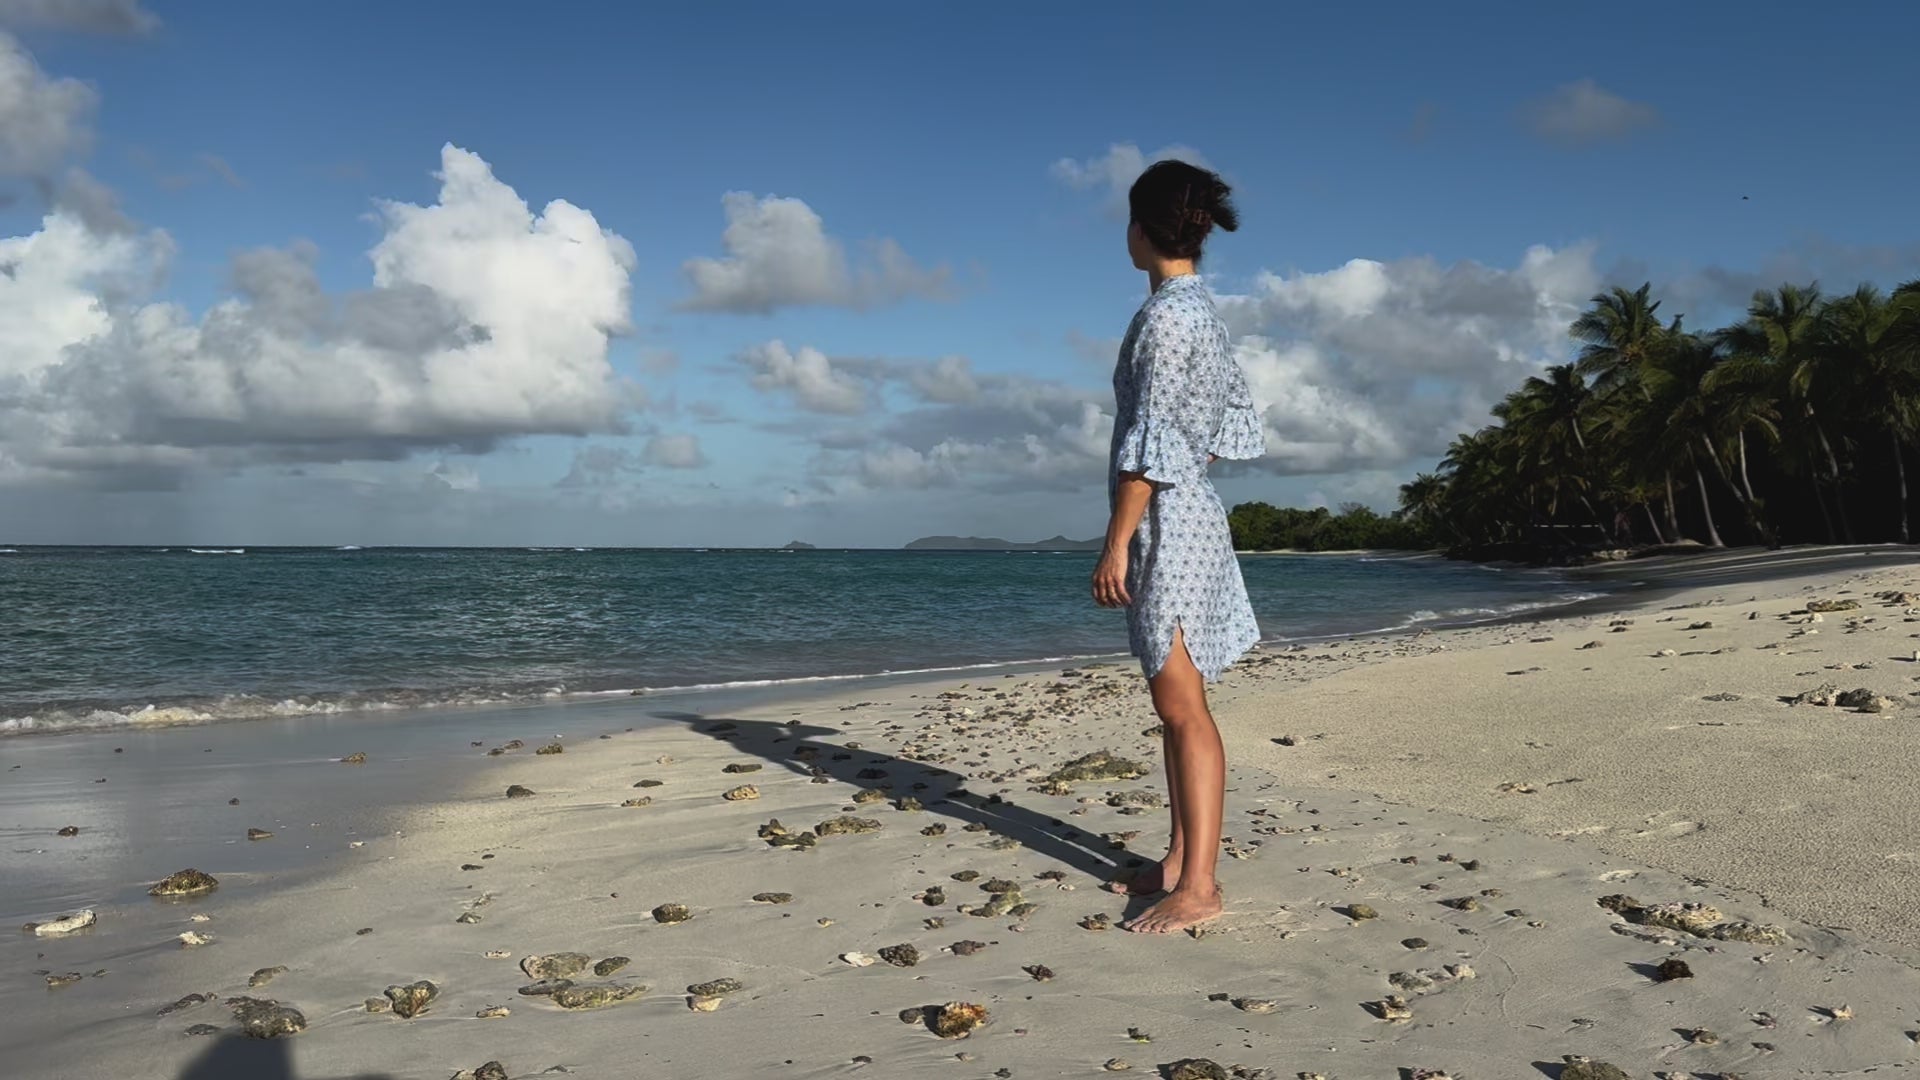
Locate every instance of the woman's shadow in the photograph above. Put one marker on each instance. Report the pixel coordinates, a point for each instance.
(806, 750)
(236, 1057)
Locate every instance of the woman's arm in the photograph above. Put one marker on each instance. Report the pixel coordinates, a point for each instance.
(1131, 494)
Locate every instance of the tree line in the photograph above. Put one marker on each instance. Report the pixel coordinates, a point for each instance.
(1792, 425)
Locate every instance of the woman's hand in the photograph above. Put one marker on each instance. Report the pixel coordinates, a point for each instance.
(1110, 579)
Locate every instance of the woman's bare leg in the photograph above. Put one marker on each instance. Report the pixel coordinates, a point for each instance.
(1164, 874)
(1197, 785)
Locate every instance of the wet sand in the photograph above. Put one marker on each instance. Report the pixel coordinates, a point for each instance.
(1421, 830)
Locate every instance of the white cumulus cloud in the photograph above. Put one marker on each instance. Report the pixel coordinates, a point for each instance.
(44, 121)
(1584, 112)
(1375, 364)
(92, 16)
(1115, 171)
(674, 451)
(780, 255)
(816, 382)
(484, 320)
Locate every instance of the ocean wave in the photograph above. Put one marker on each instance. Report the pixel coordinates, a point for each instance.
(349, 547)
(216, 551)
(250, 707)
(236, 707)
(9, 551)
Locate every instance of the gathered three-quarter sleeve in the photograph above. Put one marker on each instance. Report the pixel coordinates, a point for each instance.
(1163, 430)
(1240, 437)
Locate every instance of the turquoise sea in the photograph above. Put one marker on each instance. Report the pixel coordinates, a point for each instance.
(109, 637)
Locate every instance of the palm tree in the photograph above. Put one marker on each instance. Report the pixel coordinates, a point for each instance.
(1423, 501)
(1869, 336)
(1784, 327)
(1619, 336)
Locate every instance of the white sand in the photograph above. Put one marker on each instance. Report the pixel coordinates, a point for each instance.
(1798, 816)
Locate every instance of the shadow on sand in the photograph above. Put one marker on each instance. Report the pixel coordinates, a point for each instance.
(941, 791)
(236, 1057)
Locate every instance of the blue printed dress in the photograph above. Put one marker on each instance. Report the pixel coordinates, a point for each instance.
(1178, 397)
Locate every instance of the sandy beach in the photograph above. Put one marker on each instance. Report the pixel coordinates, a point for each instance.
(1472, 853)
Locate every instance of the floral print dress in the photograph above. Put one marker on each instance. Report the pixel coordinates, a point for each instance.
(1179, 397)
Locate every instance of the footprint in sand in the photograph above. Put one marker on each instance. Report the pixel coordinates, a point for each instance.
(1671, 830)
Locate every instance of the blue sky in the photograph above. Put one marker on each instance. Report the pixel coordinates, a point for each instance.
(944, 387)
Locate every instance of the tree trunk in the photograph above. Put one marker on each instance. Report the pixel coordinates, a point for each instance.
(1654, 524)
(1746, 484)
(1739, 496)
(1673, 512)
(1900, 469)
(1706, 507)
(1833, 473)
(1819, 497)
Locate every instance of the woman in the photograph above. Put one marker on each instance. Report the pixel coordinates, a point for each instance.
(1181, 404)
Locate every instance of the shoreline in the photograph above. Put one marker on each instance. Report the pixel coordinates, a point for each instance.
(191, 713)
(1386, 790)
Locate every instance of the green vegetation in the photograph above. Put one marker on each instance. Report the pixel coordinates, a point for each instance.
(1792, 425)
(1260, 527)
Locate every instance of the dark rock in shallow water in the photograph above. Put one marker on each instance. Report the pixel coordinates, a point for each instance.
(649, 783)
(938, 828)
(201, 1029)
(266, 975)
(610, 965)
(545, 987)
(672, 913)
(773, 898)
(1359, 912)
(516, 791)
(594, 995)
(259, 834)
(187, 882)
(716, 987)
(555, 965)
(262, 1018)
(967, 948)
(551, 748)
(354, 759)
(57, 982)
(70, 830)
(903, 955)
(377, 1005)
(934, 897)
(966, 875)
(742, 767)
(412, 999)
(1197, 1069)
(1040, 972)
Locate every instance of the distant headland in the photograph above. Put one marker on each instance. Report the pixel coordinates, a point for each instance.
(994, 543)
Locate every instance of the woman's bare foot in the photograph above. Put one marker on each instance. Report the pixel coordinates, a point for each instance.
(1180, 909)
(1160, 877)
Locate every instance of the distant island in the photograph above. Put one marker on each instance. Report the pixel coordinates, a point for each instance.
(994, 543)
(799, 545)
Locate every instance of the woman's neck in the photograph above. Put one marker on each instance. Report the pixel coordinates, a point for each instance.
(1163, 269)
